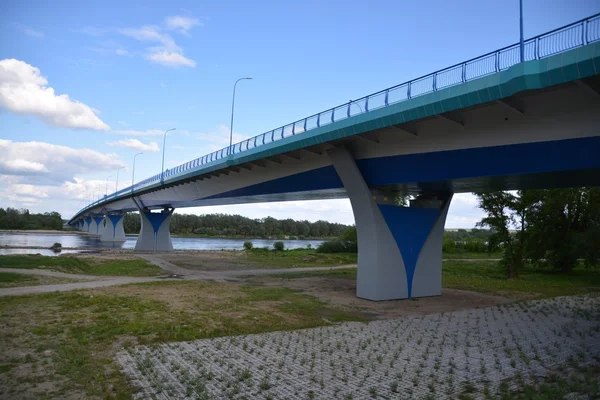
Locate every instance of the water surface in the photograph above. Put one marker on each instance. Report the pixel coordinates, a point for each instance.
(84, 241)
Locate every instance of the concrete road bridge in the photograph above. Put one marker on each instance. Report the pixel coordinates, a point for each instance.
(490, 123)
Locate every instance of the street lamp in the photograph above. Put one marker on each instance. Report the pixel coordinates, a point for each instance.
(133, 172)
(162, 171)
(106, 189)
(522, 47)
(117, 182)
(232, 108)
(352, 102)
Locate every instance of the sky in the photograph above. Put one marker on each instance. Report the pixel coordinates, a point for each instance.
(84, 86)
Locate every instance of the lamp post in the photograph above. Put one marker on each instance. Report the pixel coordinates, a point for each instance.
(352, 102)
(162, 170)
(106, 189)
(133, 172)
(117, 182)
(522, 47)
(232, 108)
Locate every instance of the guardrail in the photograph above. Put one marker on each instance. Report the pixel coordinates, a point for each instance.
(559, 40)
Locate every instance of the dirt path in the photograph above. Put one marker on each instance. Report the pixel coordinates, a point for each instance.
(103, 281)
(256, 272)
(174, 271)
(55, 274)
(65, 287)
(166, 265)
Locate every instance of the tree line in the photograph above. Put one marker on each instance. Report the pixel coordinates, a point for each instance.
(13, 218)
(552, 228)
(223, 225)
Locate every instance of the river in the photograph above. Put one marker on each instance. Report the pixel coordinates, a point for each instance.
(83, 242)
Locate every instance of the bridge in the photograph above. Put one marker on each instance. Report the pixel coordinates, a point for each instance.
(490, 123)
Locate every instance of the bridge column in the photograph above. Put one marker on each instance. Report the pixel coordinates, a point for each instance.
(154, 234)
(113, 228)
(399, 248)
(96, 226)
(87, 221)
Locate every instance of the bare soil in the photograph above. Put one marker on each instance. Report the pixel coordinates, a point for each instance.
(341, 293)
(203, 260)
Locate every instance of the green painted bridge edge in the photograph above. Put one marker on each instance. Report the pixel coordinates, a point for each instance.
(569, 66)
(561, 68)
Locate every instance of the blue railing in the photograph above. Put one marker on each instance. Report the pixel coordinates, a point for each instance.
(556, 41)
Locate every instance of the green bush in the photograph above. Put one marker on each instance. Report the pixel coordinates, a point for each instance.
(278, 246)
(347, 243)
(248, 245)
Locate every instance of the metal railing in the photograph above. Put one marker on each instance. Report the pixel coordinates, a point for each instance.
(559, 40)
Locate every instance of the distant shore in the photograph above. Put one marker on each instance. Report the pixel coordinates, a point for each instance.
(40, 231)
(190, 236)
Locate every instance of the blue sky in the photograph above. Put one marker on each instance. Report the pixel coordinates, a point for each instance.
(134, 69)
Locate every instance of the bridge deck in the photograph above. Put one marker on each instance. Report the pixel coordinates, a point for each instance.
(551, 59)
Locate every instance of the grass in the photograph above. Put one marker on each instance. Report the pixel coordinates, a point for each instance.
(488, 277)
(77, 265)
(581, 380)
(310, 258)
(298, 258)
(9, 279)
(342, 273)
(471, 256)
(71, 339)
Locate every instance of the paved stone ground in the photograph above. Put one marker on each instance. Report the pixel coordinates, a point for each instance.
(435, 356)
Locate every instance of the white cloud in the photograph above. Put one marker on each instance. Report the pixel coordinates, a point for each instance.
(170, 59)
(29, 31)
(121, 52)
(30, 190)
(219, 138)
(464, 212)
(122, 123)
(135, 144)
(19, 165)
(167, 53)
(181, 24)
(24, 91)
(150, 33)
(40, 163)
(149, 132)
(92, 31)
(338, 210)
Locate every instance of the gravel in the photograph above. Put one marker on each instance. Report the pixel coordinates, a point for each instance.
(436, 356)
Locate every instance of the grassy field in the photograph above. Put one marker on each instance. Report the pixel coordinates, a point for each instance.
(488, 277)
(471, 256)
(75, 265)
(65, 347)
(10, 279)
(298, 258)
(310, 258)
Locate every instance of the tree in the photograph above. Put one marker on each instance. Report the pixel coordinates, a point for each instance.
(12, 218)
(506, 210)
(564, 227)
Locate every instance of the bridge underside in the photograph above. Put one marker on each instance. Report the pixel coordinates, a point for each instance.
(545, 138)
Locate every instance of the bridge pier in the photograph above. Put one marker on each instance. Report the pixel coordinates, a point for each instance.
(400, 248)
(113, 228)
(87, 221)
(154, 233)
(96, 226)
